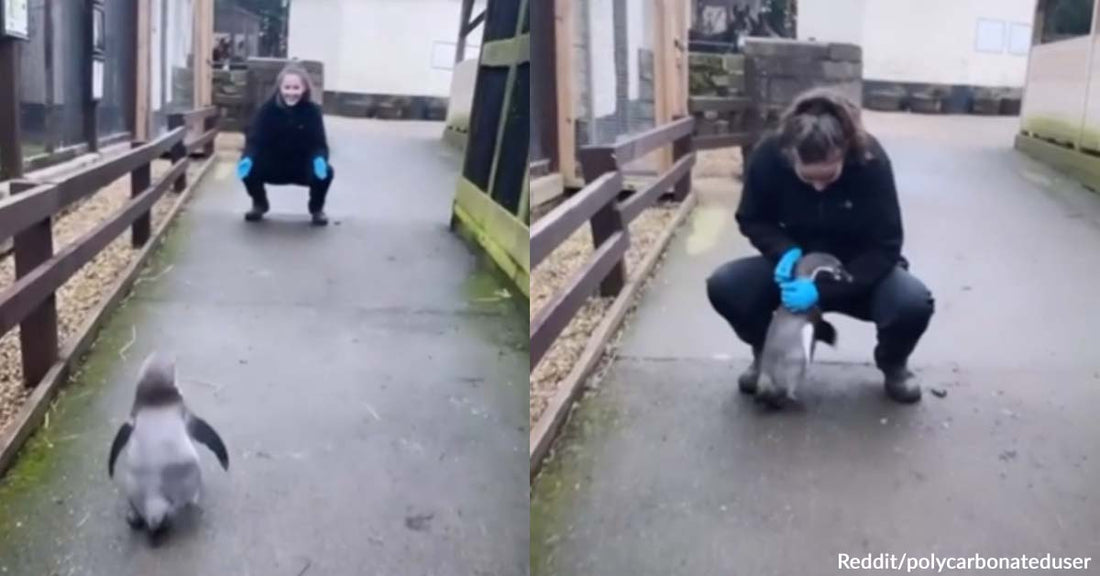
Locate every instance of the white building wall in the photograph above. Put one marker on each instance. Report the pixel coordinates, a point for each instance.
(968, 42)
(831, 20)
(601, 56)
(398, 47)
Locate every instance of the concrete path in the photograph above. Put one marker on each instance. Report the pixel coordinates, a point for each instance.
(368, 379)
(668, 470)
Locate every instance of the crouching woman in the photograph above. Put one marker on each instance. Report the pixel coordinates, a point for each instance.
(286, 144)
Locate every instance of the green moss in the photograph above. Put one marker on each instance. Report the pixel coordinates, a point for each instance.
(554, 495)
(1082, 167)
(43, 458)
(1062, 131)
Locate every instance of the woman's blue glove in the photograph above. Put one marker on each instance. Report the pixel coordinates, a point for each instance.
(784, 270)
(320, 168)
(244, 167)
(799, 295)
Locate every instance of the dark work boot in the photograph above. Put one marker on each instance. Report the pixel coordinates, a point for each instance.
(746, 382)
(901, 384)
(318, 218)
(257, 212)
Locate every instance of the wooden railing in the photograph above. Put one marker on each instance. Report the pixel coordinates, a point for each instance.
(599, 203)
(27, 215)
(207, 119)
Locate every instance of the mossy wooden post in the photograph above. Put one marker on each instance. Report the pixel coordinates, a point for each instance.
(596, 162)
(140, 180)
(210, 123)
(179, 151)
(38, 331)
(492, 203)
(681, 148)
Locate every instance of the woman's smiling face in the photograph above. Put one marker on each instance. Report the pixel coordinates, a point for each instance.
(292, 89)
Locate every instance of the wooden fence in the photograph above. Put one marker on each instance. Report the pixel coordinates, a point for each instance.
(26, 216)
(599, 203)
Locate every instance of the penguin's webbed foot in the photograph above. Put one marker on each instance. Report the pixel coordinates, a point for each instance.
(134, 519)
(771, 397)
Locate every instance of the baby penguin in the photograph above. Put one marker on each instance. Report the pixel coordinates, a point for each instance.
(160, 465)
(792, 336)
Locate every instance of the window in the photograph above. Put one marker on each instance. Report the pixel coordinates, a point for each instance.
(1019, 39)
(34, 105)
(1065, 19)
(172, 61)
(991, 36)
(117, 66)
(69, 57)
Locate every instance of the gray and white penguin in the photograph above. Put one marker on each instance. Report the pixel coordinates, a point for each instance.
(792, 337)
(159, 465)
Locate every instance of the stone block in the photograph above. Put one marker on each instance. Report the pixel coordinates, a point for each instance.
(853, 89)
(841, 71)
(789, 67)
(785, 90)
(926, 103)
(987, 105)
(734, 63)
(785, 47)
(845, 52)
(885, 101)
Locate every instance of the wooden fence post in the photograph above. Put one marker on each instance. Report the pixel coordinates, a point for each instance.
(140, 180)
(596, 162)
(681, 148)
(38, 331)
(11, 149)
(209, 124)
(179, 151)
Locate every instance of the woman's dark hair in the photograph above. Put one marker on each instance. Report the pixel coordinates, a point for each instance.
(294, 69)
(820, 122)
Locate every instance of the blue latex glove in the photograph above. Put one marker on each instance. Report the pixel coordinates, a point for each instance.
(244, 167)
(320, 168)
(785, 269)
(799, 295)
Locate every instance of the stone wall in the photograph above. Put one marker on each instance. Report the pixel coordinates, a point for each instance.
(240, 91)
(778, 70)
(716, 74)
(230, 95)
(386, 106)
(941, 98)
(771, 72)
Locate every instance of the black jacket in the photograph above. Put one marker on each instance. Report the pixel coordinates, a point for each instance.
(282, 136)
(857, 218)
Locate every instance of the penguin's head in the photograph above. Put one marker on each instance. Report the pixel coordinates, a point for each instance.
(820, 264)
(156, 385)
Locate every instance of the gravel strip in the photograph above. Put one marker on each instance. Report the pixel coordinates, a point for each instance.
(85, 290)
(552, 274)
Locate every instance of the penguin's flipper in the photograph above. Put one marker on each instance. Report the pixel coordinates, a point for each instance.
(825, 332)
(205, 433)
(121, 437)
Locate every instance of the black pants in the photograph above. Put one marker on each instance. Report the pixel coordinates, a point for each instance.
(318, 189)
(744, 292)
